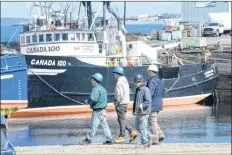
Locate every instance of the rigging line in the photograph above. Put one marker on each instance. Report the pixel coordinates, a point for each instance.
(172, 85)
(13, 34)
(61, 94)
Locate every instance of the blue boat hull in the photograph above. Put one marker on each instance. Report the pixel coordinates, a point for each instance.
(14, 84)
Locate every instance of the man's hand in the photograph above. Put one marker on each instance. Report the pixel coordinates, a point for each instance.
(141, 107)
(116, 104)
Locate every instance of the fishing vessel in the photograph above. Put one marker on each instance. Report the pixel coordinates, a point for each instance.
(61, 56)
(13, 80)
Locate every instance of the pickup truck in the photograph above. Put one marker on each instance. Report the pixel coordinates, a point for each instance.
(218, 24)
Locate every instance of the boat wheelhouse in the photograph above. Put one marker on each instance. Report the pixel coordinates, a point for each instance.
(66, 42)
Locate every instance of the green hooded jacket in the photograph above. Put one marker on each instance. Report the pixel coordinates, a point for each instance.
(98, 98)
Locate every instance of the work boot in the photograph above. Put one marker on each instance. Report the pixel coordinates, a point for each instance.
(155, 143)
(119, 140)
(147, 145)
(141, 146)
(150, 142)
(108, 142)
(133, 135)
(85, 141)
(155, 140)
(161, 139)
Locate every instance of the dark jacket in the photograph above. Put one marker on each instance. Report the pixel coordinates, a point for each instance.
(98, 98)
(156, 87)
(142, 96)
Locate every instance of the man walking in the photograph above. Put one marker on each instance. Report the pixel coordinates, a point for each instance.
(122, 99)
(156, 87)
(142, 110)
(98, 102)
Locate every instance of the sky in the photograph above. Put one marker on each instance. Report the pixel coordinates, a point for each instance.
(133, 8)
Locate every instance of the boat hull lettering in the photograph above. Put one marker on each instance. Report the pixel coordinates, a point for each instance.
(43, 49)
(42, 62)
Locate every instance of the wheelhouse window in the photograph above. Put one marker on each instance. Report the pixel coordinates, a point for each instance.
(72, 37)
(41, 38)
(83, 37)
(28, 39)
(48, 37)
(100, 48)
(78, 36)
(90, 37)
(64, 36)
(34, 39)
(23, 40)
(57, 37)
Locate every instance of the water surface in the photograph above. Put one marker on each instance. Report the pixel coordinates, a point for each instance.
(197, 126)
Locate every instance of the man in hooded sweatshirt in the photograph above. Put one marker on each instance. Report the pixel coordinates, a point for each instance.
(122, 99)
(156, 86)
(142, 110)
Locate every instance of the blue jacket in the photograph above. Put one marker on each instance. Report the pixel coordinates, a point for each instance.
(98, 98)
(142, 96)
(156, 87)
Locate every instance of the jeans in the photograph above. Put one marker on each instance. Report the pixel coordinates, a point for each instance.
(156, 131)
(99, 117)
(121, 112)
(141, 123)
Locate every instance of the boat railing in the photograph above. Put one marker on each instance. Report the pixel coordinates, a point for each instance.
(127, 61)
(115, 60)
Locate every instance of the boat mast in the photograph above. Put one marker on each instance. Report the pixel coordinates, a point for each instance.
(78, 16)
(86, 16)
(73, 8)
(122, 38)
(46, 15)
(41, 9)
(105, 39)
(95, 16)
(65, 13)
(88, 13)
(124, 16)
(104, 16)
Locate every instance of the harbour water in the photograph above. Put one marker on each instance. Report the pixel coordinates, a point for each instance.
(8, 31)
(182, 126)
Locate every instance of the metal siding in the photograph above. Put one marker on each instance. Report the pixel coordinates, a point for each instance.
(191, 13)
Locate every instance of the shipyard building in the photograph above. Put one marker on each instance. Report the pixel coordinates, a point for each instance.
(197, 12)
